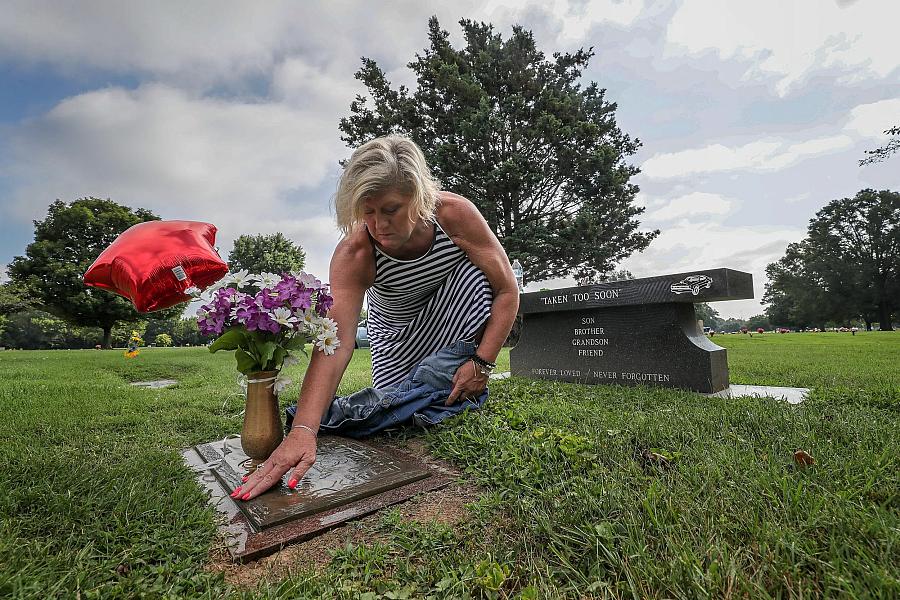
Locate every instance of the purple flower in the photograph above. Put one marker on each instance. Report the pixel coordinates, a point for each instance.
(264, 322)
(302, 299)
(246, 312)
(211, 325)
(286, 288)
(265, 299)
(323, 303)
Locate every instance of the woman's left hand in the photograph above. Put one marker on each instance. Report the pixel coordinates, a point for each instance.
(468, 383)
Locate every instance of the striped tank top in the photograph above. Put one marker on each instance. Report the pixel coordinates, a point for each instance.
(418, 306)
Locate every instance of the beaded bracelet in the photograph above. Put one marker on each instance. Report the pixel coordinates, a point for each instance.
(483, 363)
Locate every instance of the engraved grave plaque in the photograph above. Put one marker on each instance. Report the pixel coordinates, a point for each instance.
(350, 479)
(345, 470)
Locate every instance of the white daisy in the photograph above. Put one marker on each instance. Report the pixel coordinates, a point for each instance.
(239, 279)
(283, 316)
(327, 342)
(266, 280)
(311, 320)
(327, 326)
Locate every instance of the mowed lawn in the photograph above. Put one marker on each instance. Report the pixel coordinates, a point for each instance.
(587, 491)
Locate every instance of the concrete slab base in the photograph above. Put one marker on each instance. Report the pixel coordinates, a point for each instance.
(791, 395)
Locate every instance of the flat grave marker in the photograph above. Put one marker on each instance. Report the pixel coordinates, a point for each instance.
(349, 479)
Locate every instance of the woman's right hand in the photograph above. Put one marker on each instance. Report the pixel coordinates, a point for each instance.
(297, 451)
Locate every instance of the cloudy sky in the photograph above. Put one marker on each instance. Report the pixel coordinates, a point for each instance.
(752, 115)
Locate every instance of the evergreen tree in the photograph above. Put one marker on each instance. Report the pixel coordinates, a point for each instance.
(539, 154)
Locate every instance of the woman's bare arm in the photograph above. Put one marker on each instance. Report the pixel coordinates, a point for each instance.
(468, 229)
(352, 272)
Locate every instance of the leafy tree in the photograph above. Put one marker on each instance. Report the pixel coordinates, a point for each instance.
(65, 244)
(857, 250)
(620, 275)
(708, 315)
(758, 321)
(33, 330)
(539, 154)
(163, 339)
(13, 299)
(847, 267)
(187, 333)
(883, 153)
(732, 324)
(161, 326)
(794, 293)
(266, 254)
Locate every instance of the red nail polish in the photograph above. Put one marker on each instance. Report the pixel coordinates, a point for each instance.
(292, 483)
(245, 496)
(245, 478)
(237, 490)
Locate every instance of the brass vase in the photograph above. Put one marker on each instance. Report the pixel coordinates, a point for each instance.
(262, 430)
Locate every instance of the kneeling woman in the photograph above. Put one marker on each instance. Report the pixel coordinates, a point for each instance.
(442, 299)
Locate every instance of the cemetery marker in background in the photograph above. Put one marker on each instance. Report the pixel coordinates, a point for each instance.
(630, 332)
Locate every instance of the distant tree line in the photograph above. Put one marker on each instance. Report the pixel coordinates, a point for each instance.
(38, 330)
(711, 318)
(846, 269)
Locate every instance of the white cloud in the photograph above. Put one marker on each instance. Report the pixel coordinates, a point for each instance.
(206, 42)
(761, 155)
(871, 120)
(162, 148)
(789, 41)
(693, 245)
(576, 18)
(298, 83)
(207, 39)
(246, 167)
(697, 203)
(797, 198)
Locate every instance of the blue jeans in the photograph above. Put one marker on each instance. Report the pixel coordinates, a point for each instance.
(418, 399)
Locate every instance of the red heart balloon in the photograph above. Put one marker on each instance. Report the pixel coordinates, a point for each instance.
(153, 263)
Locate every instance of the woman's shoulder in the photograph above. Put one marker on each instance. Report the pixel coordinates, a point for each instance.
(456, 214)
(355, 254)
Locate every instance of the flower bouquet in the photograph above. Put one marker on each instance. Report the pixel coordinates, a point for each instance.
(264, 328)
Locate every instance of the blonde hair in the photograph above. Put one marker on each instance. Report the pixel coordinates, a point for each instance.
(392, 162)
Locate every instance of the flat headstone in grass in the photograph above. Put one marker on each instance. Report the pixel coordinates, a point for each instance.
(155, 385)
(630, 332)
(350, 479)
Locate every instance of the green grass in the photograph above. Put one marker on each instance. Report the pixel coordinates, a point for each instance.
(590, 491)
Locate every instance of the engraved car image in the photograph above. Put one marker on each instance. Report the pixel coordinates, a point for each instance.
(692, 284)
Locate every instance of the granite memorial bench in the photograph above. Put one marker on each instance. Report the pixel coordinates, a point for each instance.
(629, 332)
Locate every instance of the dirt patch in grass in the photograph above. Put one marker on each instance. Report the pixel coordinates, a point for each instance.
(446, 506)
